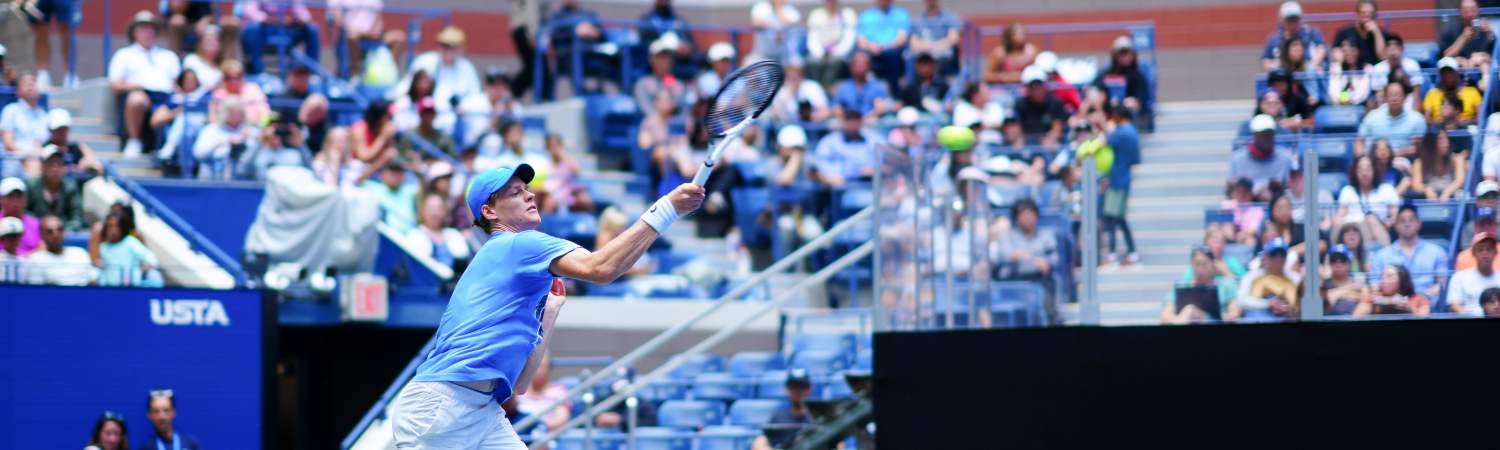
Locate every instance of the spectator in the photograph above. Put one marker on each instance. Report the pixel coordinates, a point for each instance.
(499, 101)
(720, 62)
(266, 18)
(1343, 294)
(1451, 122)
(1466, 285)
(13, 204)
(1058, 86)
(77, 155)
(1270, 105)
(525, 24)
(1225, 266)
(1248, 216)
(1279, 224)
(1390, 169)
(1393, 122)
(1348, 78)
(123, 259)
(1201, 273)
(1263, 162)
(830, 41)
(312, 114)
(785, 426)
(375, 134)
(1012, 56)
(205, 62)
(404, 107)
(181, 123)
(1122, 136)
(799, 99)
(299, 87)
(454, 78)
(926, 90)
(363, 26)
(219, 145)
(254, 102)
(1364, 33)
(1305, 77)
(397, 198)
(188, 21)
(662, 21)
(661, 78)
(280, 145)
(109, 433)
(427, 131)
(574, 30)
(8, 74)
(1425, 260)
(671, 162)
(861, 93)
(66, 14)
(1397, 295)
(1026, 252)
(1040, 113)
(1296, 190)
(792, 169)
(846, 155)
(1484, 222)
(1450, 83)
(1124, 69)
(23, 128)
(336, 165)
(612, 222)
(1295, 99)
(1269, 292)
(1353, 240)
(1368, 201)
(434, 238)
(55, 194)
(1438, 174)
(775, 23)
(1486, 195)
(1291, 27)
(1489, 300)
(1470, 41)
(11, 269)
(936, 32)
(161, 410)
(565, 192)
(55, 264)
(1395, 57)
(542, 393)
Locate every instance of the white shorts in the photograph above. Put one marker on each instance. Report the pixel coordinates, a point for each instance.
(441, 415)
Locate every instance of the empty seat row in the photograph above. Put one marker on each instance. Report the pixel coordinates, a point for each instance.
(657, 438)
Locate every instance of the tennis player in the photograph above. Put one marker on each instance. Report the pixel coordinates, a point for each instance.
(499, 319)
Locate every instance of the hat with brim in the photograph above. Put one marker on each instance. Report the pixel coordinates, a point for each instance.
(11, 226)
(451, 36)
(142, 17)
(488, 182)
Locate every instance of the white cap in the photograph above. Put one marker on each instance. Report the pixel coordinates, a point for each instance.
(1123, 43)
(11, 225)
(965, 115)
(1033, 73)
(1262, 122)
(1047, 61)
(1486, 187)
(59, 118)
(437, 170)
(12, 184)
(1291, 9)
(721, 50)
(908, 116)
(666, 43)
(994, 115)
(1447, 63)
(791, 136)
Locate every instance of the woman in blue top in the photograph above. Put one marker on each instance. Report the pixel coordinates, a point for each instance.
(499, 318)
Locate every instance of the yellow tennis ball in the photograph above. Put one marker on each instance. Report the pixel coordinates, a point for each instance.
(956, 138)
(539, 175)
(1104, 155)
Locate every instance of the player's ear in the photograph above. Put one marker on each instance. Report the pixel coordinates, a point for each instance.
(489, 213)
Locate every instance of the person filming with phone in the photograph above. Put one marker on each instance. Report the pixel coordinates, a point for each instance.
(1471, 39)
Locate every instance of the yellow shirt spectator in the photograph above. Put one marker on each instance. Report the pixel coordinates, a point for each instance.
(1469, 95)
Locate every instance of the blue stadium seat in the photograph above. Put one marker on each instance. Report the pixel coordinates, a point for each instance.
(663, 390)
(753, 412)
(578, 439)
(690, 414)
(752, 364)
(1424, 52)
(1017, 303)
(716, 386)
(819, 362)
(575, 227)
(1333, 182)
(749, 204)
(772, 384)
(843, 343)
(836, 387)
(696, 364)
(1333, 154)
(1437, 220)
(726, 438)
(659, 438)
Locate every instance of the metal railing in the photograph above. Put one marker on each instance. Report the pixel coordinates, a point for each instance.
(155, 207)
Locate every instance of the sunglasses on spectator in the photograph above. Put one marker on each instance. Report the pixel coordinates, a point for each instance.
(158, 393)
(111, 415)
(52, 230)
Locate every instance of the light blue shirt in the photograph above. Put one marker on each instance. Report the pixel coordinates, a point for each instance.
(860, 98)
(881, 27)
(494, 317)
(1398, 130)
(848, 159)
(399, 206)
(122, 261)
(29, 123)
(1424, 263)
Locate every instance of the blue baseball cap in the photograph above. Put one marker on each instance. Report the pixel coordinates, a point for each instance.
(1276, 245)
(1340, 250)
(486, 183)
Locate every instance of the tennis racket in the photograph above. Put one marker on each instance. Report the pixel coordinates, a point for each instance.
(741, 98)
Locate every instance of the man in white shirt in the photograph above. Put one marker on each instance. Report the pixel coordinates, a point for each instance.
(58, 265)
(1466, 285)
(23, 128)
(141, 74)
(1395, 53)
(10, 249)
(796, 91)
(454, 78)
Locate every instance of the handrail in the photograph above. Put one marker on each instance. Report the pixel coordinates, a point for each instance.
(620, 395)
(1393, 15)
(154, 206)
(662, 338)
(1476, 157)
(390, 393)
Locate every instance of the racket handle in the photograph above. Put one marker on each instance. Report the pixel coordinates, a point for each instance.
(702, 176)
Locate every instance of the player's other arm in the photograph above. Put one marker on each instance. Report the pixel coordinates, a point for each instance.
(555, 300)
(619, 254)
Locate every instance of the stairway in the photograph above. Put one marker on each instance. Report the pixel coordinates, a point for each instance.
(1184, 165)
(93, 108)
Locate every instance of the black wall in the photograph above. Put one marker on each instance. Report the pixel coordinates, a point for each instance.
(1407, 384)
(329, 377)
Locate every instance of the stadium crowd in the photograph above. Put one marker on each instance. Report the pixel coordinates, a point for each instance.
(1383, 234)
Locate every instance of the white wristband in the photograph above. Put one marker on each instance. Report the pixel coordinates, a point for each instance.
(660, 216)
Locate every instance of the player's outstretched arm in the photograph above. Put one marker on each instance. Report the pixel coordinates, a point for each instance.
(619, 254)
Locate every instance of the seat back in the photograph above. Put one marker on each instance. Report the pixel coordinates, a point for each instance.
(753, 412)
(690, 414)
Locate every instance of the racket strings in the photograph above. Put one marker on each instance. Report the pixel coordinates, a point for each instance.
(744, 95)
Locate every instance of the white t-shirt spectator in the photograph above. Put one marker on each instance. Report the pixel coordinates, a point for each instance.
(208, 74)
(1490, 166)
(459, 79)
(154, 69)
(29, 123)
(1466, 285)
(788, 102)
(71, 268)
(1380, 73)
(830, 35)
(1377, 202)
(770, 43)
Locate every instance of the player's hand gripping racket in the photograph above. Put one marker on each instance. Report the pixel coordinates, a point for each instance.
(741, 98)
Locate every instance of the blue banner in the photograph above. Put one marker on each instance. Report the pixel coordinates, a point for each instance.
(69, 354)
